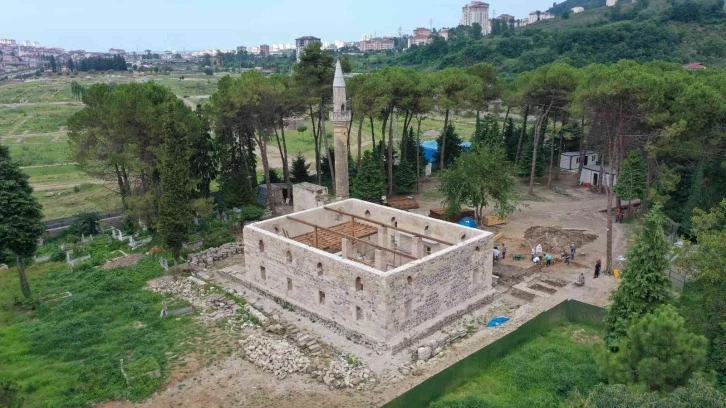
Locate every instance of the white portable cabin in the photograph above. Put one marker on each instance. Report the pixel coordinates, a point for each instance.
(571, 160)
(591, 175)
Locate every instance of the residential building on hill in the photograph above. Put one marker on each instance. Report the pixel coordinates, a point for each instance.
(376, 44)
(476, 12)
(302, 42)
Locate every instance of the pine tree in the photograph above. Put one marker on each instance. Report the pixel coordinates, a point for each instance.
(657, 352)
(174, 203)
(695, 196)
(631, 179)
(300, 172)
(643, 285)
(369, 183)
(404, 177)
(20, 216)
(275, 176)
(453, 147)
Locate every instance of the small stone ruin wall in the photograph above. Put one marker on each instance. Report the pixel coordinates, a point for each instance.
(207, 258)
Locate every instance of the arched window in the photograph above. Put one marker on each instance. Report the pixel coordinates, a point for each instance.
(289, 256)
(358, 284)
(277, 230)
(262, 246)
(463, 237)
(394, 222)
(427, 230)
(409, 280)
(320, 269)
(368, 214)
(477, 249)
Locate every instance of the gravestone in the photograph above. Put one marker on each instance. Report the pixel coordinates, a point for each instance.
(41, 242)
(164, 264)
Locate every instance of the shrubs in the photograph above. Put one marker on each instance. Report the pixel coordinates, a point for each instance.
(86, 223)
(251, 213)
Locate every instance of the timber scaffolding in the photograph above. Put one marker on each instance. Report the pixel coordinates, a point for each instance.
(331, 238)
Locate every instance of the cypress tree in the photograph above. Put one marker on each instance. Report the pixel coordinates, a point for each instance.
(300, 171)
(20, 216)
(453, 147)
(174, 204)
(524, 167)
(404, 177)
(369, 183)
(631, 179)
(643, 285)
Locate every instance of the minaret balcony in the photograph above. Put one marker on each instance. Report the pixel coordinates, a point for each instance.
(340, 116)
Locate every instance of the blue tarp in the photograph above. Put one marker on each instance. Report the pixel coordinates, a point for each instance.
(430, 147)
(468, 222)
(497, 321)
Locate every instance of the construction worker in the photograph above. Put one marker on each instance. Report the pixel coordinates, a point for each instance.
(548, 259)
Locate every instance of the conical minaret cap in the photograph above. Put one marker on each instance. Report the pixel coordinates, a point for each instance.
(338, 81)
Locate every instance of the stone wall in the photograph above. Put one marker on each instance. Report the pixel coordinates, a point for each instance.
(429, 288)
(298, 273)
(207, 258)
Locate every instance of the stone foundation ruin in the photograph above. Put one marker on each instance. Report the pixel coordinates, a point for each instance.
(382, 276)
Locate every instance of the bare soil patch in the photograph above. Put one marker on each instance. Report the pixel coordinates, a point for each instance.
(510, 274)
(125, 262)
(555, 239)
(542, 288)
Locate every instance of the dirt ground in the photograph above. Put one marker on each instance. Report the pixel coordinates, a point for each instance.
(234, 382)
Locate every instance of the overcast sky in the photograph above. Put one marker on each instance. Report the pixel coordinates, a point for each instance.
(198, 24)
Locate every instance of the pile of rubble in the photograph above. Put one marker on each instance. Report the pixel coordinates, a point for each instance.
(212, 306)
(343, 372)
(276, 356)
(207, 258)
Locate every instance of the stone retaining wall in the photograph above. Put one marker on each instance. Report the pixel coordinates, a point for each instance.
(207, 258)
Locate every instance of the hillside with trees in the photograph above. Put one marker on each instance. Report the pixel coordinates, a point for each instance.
(674, 31)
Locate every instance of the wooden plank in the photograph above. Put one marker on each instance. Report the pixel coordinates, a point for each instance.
(343, 235)
(440, 241)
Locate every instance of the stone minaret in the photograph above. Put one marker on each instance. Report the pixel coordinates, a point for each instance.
(340, 118)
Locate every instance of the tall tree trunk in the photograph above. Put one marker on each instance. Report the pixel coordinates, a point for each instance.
(648, 177)
(285, 161)
(418, 153)
(506, 116)
(552, 152)
(562, 143)
(266, 169)
(121, 189)
(609, 191)
(373, 134)
(386, 116)
(537, 133)
(317, 146)
(443, 140)
(350, 127)
(390, 153)
(521, 135)
(24, 286)
(360, 140)
(282, 156)
(584, 144)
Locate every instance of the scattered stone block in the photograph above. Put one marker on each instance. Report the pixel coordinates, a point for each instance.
(181, 311)
(423, 353)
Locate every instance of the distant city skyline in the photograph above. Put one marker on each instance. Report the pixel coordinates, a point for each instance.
(136, 25)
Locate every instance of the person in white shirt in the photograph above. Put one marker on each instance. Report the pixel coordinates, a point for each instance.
(496, 254)
(536, 260)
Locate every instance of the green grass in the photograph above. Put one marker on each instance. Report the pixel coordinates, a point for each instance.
(67, 352)
(88, 198)
(541, 373)
(40, 154)
(57, 175)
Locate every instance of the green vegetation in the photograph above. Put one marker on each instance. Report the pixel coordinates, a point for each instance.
(541, 373)
(658, 352)
(676, 31)
(67, 351)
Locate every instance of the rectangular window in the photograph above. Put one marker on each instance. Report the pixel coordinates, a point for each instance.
(428, 249)
(289, 284)
(358, 313)
(263, 273)
(321, 297)
(407, 308)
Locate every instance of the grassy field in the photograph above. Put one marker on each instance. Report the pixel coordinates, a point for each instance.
(65, 351)
(542, 373)
(68, 202)
(35, 118)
